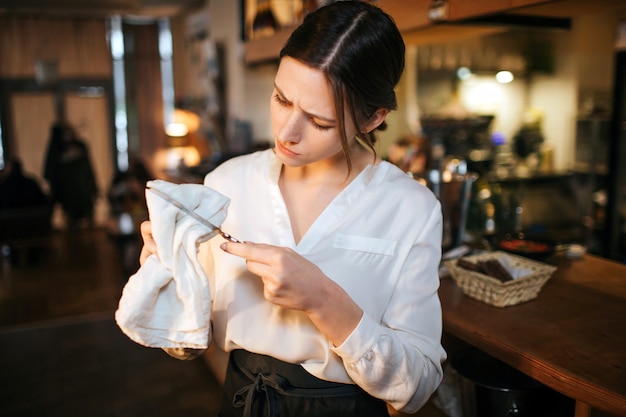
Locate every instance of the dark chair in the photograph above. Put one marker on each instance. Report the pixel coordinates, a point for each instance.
(25, 231)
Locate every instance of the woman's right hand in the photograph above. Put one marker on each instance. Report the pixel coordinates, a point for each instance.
(149, 244)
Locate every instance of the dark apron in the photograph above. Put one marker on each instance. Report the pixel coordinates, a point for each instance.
(261, 386)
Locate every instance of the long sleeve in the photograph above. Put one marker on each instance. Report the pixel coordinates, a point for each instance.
(399, 359)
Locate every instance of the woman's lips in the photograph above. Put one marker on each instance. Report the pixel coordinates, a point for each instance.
(284, 150)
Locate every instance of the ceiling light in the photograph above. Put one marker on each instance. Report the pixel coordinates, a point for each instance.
(504, 77)
(176, 130)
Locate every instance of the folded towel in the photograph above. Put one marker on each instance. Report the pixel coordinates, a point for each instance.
(166, 303)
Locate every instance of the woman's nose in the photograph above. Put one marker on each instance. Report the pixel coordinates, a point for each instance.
(290, 131)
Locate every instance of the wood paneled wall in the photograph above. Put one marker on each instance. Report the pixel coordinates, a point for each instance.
(81, 49)
(79, 45)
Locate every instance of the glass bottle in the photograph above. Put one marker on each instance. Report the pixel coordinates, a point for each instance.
(489, 232)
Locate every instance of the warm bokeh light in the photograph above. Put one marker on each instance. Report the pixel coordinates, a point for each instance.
(176, 130)
(504, 77)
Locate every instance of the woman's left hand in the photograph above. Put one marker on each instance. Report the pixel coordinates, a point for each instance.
(293, 282)
(289, 280)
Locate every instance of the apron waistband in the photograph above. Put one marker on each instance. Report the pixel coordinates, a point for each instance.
(271, 376)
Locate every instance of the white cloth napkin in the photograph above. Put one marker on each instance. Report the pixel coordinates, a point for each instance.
(166, 303)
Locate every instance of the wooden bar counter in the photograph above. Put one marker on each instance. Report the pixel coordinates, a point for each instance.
(571, 338)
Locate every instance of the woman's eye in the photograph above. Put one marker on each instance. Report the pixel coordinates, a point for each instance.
(285, 103)
(281, 100)
(319, 126)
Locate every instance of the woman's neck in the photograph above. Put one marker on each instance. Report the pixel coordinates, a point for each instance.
(309, 189)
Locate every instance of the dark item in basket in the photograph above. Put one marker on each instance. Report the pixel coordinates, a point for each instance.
(470, 266)
(495, 269)
(491, 267)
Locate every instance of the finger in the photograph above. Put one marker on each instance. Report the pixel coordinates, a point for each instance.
(146, 229)
(149, 247)
(143, 256)
(247, 250)
(149, 244)
(259, 268)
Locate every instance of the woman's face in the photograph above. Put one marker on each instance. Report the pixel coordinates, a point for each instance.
(304, 121)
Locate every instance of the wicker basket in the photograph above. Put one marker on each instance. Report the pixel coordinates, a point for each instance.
(529, 276)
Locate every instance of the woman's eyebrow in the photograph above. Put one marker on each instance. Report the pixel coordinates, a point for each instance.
(312, 115)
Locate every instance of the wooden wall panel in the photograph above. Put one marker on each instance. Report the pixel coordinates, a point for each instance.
(79, 45)
(143, 87)
(33, 114)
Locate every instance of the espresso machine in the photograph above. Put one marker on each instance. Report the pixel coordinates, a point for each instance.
(468, 139)
(461, 151)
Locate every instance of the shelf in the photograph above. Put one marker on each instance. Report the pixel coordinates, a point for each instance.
(263, 50)
(266, 49)
(417, 29)
(411, 18)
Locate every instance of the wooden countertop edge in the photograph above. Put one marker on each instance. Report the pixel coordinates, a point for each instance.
(560, 380)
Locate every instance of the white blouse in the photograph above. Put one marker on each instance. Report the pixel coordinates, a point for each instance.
(379, 239)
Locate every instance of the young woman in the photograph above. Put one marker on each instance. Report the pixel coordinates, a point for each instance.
(330, 307)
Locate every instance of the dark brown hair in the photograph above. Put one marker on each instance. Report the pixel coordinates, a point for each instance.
(360, 50)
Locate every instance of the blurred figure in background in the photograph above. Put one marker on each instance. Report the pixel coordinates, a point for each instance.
(412, 154)
(25, 214)
(19, 190)
(70, 175)
(127, 201)
(127, 192)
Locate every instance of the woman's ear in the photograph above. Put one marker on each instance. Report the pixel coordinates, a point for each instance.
(377, 118)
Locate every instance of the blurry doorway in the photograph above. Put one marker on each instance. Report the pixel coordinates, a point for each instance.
(31, 111)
